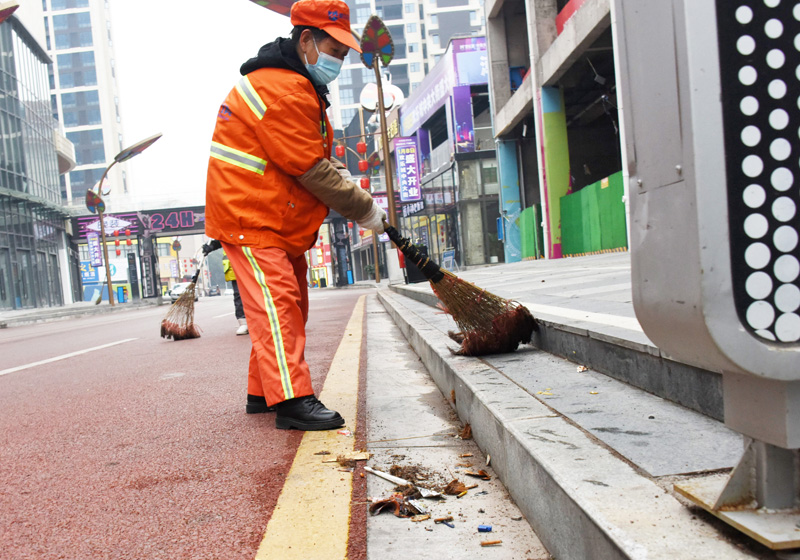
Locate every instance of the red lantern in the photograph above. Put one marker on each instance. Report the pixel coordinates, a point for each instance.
(339, 150)
(361, 147)
(127, 232)
(361, 233)
(119, 252)
(350, 224)
(116, 242)
(365, 183)
(363, 165)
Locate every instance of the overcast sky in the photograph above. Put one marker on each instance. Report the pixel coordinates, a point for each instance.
(176, 60)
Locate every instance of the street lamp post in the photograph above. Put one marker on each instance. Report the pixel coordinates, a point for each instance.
(124, 155)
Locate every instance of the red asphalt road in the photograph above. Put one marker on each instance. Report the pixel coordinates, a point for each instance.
(143, 450)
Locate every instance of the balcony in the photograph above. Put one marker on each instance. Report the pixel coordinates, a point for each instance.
(65, 150)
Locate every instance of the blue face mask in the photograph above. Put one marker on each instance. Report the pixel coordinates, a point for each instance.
(326, 69)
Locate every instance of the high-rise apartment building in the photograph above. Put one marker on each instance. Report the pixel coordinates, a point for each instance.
(38, 266)
(420, 31)
(84, 93)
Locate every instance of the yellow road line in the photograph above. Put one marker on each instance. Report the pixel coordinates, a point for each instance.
(312, 517)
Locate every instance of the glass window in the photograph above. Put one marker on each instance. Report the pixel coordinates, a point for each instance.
(346, 96)
(362, 15)
(69, 4)
(413, 47)
(435, 40)
(411, 28)
(409, 8)
(347, 116)
(414, 67)
(435, 20)
(346, 78)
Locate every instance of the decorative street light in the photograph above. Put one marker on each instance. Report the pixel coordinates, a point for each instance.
(100, 207)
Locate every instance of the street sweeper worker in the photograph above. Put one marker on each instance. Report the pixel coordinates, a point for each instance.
(270, 185)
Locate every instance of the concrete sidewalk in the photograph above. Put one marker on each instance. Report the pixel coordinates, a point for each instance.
(19, 317)
(589, 455)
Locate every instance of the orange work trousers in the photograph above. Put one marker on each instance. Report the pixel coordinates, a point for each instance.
(274, 294)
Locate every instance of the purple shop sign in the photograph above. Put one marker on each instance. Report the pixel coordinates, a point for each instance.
(462, 114)
(405, 153)
(93, 241)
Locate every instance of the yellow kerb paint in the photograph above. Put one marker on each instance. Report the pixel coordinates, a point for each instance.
(312, 517)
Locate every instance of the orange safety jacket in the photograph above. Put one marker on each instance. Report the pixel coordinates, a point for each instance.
(270, 129)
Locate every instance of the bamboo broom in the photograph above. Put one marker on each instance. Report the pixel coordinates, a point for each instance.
(489, 324)
(178, 323)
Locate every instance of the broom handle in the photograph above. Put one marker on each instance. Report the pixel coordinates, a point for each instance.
(197, 273)
(429, 269)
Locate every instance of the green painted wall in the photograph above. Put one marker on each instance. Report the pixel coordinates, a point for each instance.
(531, 236)
(593, 219)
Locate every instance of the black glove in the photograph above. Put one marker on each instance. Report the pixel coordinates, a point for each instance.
(211, 246)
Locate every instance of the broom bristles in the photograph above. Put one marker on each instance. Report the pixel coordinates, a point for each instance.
(178, 323)
(489, 324)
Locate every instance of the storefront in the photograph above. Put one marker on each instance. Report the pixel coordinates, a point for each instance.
(447, 191)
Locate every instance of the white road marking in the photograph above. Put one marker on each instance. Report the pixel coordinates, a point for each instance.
(224, 315)
(64, 356)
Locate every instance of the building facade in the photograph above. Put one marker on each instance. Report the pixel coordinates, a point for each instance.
(84, 92)
(420, 32)
(444, 165)
(557, 123)
(35, 254)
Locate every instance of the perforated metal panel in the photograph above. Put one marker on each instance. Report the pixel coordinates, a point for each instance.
(759, 47)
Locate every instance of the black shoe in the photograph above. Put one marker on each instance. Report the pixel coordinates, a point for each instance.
(306, 413)
(257, 405)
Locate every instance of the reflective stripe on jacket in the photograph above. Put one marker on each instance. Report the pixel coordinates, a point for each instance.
(271, 129)
(227, 269)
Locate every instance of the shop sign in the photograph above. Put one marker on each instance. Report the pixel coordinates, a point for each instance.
(405, 152)
(413, 208)
(95, 254)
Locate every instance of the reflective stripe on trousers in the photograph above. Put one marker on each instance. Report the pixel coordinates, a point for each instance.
(275, 298)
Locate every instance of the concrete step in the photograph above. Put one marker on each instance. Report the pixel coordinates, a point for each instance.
(602, 334)
(590, 460)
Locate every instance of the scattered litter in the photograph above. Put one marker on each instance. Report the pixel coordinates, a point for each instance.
(484, 528)
(349, 459)
(480, 474)
(490, 543)
(322, 453)
(464, 493)
(390, 478)
(463, 465)
(448, 524)
(481, 510)
(488, 460)
(418, 518)
(593, 392)
(544, 393)
(453, 396)
(344, 432)
(454, 488)
(466, 433)
(396, 504)
(417, 505)
(516, 518)
(443, 519)
(429, 528)
(410, 473)
(471, 486)
(482, 493)
(581, 369)
(430, 493)
(465, 455)
(651, 417)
